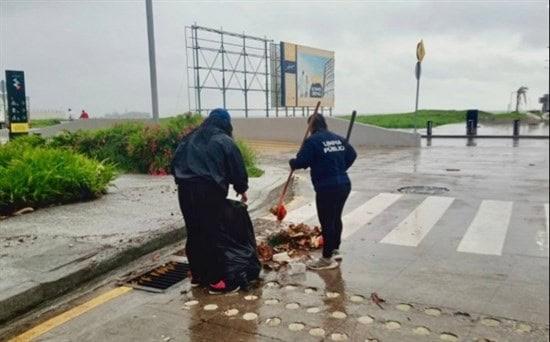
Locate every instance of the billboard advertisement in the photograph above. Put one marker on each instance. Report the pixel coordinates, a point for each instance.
(307, 76)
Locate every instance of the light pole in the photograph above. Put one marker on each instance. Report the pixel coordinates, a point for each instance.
(420, 53)
(152, 61)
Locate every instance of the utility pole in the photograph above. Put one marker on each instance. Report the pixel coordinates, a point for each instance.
(152, 61)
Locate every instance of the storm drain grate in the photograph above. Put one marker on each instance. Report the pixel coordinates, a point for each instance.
(161, 278)
(423, 190)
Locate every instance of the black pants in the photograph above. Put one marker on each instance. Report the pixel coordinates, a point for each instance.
(201, 204)
(330, 205)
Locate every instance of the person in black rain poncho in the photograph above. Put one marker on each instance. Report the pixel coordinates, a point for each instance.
(328, 156)
(206, 162)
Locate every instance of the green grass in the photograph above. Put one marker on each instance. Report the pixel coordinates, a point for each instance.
(32, 175)
(438, 117)
(44, 122)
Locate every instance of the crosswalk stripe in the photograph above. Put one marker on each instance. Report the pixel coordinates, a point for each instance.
(418, 224)
(487, 232)
(362, 215)
(304, 213)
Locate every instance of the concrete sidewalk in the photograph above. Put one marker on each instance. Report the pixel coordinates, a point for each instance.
(51, 251)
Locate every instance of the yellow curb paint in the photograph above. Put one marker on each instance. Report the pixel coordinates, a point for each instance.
(56, 321)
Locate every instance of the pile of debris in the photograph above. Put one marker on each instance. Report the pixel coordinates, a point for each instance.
(291, 244)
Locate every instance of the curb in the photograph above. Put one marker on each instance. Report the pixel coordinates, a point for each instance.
(22, 302)
(33, 296)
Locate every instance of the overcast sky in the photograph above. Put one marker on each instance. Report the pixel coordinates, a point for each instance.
(93, 54)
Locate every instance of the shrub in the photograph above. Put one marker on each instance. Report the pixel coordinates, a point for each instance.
(140, 147)
(33, 176)
(249, 157)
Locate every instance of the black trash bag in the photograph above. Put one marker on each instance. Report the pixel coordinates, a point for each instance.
(237, 244)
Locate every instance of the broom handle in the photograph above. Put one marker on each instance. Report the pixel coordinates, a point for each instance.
(315, 112)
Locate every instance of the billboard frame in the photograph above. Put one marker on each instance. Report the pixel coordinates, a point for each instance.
(252, 52)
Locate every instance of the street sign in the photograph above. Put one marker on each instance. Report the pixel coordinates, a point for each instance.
(17, 102)
(420, 52)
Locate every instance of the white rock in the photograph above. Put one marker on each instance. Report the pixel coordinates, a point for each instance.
(250, 316)
(339, 315)
(231, 312)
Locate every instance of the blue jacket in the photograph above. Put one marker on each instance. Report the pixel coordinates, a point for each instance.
(329, 156)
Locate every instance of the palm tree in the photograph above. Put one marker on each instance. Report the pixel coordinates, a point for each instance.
(522, 91)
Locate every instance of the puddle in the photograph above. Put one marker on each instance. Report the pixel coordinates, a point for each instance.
(448, 337)
(318, 332)
(310, 290)
(338, 315)
(313, 310)
(210, 307)
(271, 301)
(392, 325)
(290, 288)
(339, 337)
(191, 303)
(422, 331)
(333, 295)
(250, 316)
(296, 326)
(273, 321)
(231, 312)
(365, 320)
(250, 297)
(403, 307)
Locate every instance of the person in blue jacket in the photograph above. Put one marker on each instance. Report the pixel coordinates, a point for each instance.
(329, 156)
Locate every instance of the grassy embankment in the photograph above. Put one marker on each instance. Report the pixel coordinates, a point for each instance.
(44, 122)
(438, 117)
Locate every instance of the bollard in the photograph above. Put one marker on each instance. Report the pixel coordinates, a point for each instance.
(516, 129)
(429, 125)
(470, 128)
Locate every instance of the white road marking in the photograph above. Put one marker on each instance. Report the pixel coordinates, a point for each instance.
(362, 215)
(487, 232)
(304, 213)
(418, 224)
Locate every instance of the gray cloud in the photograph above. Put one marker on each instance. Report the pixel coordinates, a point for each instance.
(93, 54)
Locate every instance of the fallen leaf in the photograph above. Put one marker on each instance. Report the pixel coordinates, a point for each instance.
(377, 300)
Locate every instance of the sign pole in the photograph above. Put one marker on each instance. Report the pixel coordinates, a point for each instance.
(418, 72)
(152, 61)
(420, 53)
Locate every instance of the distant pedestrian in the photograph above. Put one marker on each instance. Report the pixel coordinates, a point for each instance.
(84, 115)
(70, 114)
(206, 162)
(329, 156)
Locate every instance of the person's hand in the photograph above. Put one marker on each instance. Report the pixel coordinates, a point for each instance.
(244, 197)
(291, 162)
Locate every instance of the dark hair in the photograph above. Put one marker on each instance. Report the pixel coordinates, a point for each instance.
(318, 123)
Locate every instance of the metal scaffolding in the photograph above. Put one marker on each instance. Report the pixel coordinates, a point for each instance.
(228, 63)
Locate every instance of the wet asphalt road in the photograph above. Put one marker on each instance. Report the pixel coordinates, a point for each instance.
(466, 264)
